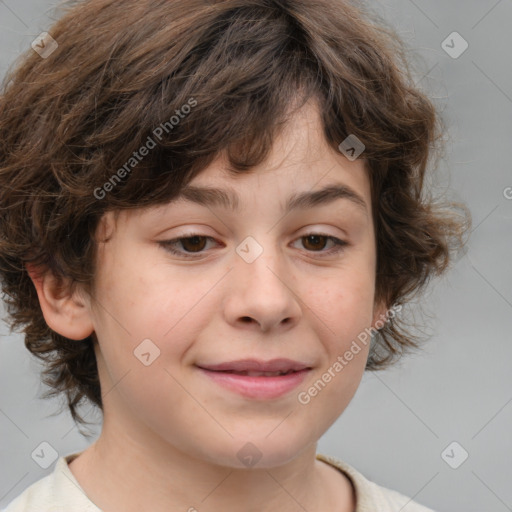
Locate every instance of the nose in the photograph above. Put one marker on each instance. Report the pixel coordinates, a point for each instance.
(260, 294)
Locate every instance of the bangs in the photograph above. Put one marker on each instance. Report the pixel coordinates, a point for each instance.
(229, 94)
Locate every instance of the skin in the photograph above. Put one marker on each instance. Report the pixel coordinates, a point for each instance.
(170, 435)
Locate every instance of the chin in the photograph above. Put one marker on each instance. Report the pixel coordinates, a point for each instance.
(263, 452)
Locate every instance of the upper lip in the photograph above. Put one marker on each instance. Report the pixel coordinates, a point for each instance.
(274, 365)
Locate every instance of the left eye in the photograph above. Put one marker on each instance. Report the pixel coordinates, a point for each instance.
(194, 244)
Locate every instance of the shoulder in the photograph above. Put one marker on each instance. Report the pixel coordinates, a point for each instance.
(369, 495)
(57, 492)
(39, 494)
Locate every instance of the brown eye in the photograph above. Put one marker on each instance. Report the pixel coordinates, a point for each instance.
(186, 246)
(193, 243)
(318, 243)
(315, 242)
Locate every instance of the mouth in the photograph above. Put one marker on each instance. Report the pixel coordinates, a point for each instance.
(259, 380)
(256, 374)
(275, 366)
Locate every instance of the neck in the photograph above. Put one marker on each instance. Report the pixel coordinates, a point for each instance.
(119, 473)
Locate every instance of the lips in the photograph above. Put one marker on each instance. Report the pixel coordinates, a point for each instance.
(255, 368)
(257, 380)
(259, 374)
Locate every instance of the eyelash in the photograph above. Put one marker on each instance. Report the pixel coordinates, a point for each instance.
(339, 245)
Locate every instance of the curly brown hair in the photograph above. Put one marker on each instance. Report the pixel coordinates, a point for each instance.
(123, 68)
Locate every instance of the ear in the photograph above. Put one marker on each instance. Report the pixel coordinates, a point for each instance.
(65, 312)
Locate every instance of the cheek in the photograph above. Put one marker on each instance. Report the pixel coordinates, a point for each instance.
(344, 303)
(146, 310)
(343, 311)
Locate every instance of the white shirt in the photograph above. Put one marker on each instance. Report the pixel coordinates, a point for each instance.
(61, 492)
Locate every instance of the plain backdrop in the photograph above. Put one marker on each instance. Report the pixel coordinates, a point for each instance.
(401, 426)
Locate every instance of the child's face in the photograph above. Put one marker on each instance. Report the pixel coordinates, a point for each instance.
(299, 299)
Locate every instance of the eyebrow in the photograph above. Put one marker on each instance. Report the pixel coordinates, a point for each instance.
(211, 196)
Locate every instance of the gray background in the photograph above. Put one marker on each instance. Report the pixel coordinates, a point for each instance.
(460, 387)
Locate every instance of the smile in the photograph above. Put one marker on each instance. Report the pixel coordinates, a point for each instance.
(256, 379)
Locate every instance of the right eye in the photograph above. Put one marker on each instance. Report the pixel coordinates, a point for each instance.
(192, 242)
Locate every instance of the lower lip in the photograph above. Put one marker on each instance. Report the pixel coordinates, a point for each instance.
(260, 388)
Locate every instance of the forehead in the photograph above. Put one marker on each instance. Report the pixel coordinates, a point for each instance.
(300, 146)
(301, 171)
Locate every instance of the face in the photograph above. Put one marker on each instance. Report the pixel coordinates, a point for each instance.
(185, 287)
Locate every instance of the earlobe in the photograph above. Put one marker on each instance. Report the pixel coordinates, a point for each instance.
(65, 310)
